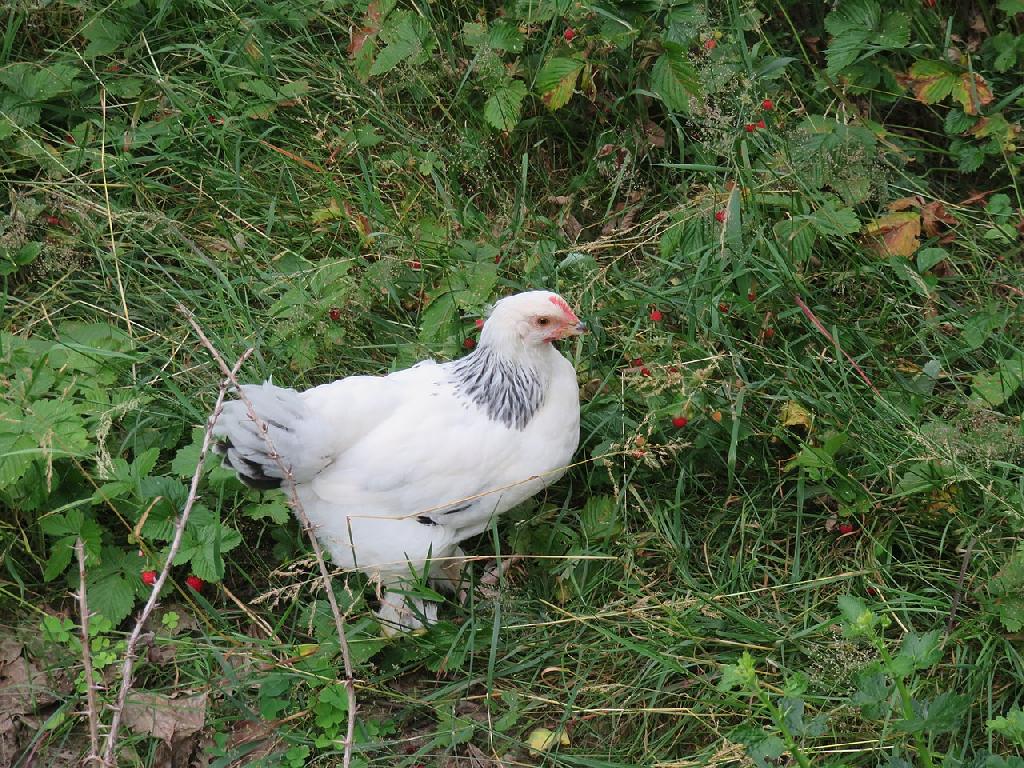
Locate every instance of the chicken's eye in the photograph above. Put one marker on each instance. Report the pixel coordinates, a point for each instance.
(543, 320)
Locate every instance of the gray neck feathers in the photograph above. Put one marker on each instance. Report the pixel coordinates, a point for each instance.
(508, 390)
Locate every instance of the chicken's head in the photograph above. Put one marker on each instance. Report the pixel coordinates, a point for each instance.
(532, 318)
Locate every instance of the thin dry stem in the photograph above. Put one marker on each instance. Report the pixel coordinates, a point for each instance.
(127, 668)
(809, 314)
(90, 681)
(307, 526)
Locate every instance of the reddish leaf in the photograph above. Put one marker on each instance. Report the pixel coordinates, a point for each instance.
(897, 234)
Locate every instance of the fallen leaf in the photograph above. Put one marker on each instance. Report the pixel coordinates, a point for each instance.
(795, 415)
(932, 215)
(904, 203)
(544, 740)
(154, 714)
(896, 234)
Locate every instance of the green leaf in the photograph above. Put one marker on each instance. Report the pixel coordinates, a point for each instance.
(276, 510)
(114, 585)
(923, 476)
(932, 81)
(993, 388)
(1012, 7)
(405, 34)
(504, 106)
(104, 35)
(556, 80)
(1010, 726)
(859, 30)
(796, 237)
(936, 716)
(505, 37)
(674, 80)
(919, 651)
(1006, 592)
(599, 518)
(874, 689)
(204, 543)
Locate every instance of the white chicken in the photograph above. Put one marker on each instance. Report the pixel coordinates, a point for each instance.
(395, 471)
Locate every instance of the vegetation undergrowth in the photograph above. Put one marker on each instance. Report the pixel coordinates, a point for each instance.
(794, 531)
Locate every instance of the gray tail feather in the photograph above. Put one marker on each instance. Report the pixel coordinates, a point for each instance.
(243, 447)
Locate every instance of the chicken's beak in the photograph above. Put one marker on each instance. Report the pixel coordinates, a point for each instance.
(575, 330)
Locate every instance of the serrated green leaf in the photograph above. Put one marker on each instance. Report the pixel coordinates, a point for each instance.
(104, 35)
(921, 651)
(405, 34)
(675, 81)
(932, 81)
(114, 585)
(276, 510)
(1010, 726)
(504, 106)
(796, 237)
(556, 80)
(503, 36)
(936, 716)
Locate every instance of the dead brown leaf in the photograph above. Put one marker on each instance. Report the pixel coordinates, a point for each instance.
(914, 201)
(933, 215)
(170, 720)
(371, 26)
(973, 92)
(654, 134)
(896, 234)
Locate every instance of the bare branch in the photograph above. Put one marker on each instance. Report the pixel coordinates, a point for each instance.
(90, 682)
(300, 512)
(179, 529)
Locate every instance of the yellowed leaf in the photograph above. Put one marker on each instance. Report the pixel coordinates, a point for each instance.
(795, 415)
(972, 91)
(544, 740)
(894, 234)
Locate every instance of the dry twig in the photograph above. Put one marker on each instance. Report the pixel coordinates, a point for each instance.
(824, 332)
(179, 529)
(307, 526)
(90, 681)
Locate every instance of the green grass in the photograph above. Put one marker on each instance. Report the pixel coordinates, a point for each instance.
(164, 175)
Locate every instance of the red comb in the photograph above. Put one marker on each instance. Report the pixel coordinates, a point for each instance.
(559, 302)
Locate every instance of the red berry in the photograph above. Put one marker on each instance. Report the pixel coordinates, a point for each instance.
(751, 294)
(569, 34)
(656, 315)
(749, 127)
(645, 371)
(723, 307)
(334, 313)
(761, 124)
(711, 44)
(212, 119)
(52, 220)
(929, 3)
(636, 362)
(469, 343)
(497, 259)
(845, 528)
(768, 104)
(680, 421)
(872, 592)
(413, 264)
(769, 333)
(720, 216)
(195, 583)
(479, 322)
(149, 578)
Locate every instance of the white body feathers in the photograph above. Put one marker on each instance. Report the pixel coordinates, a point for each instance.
(396, 470)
